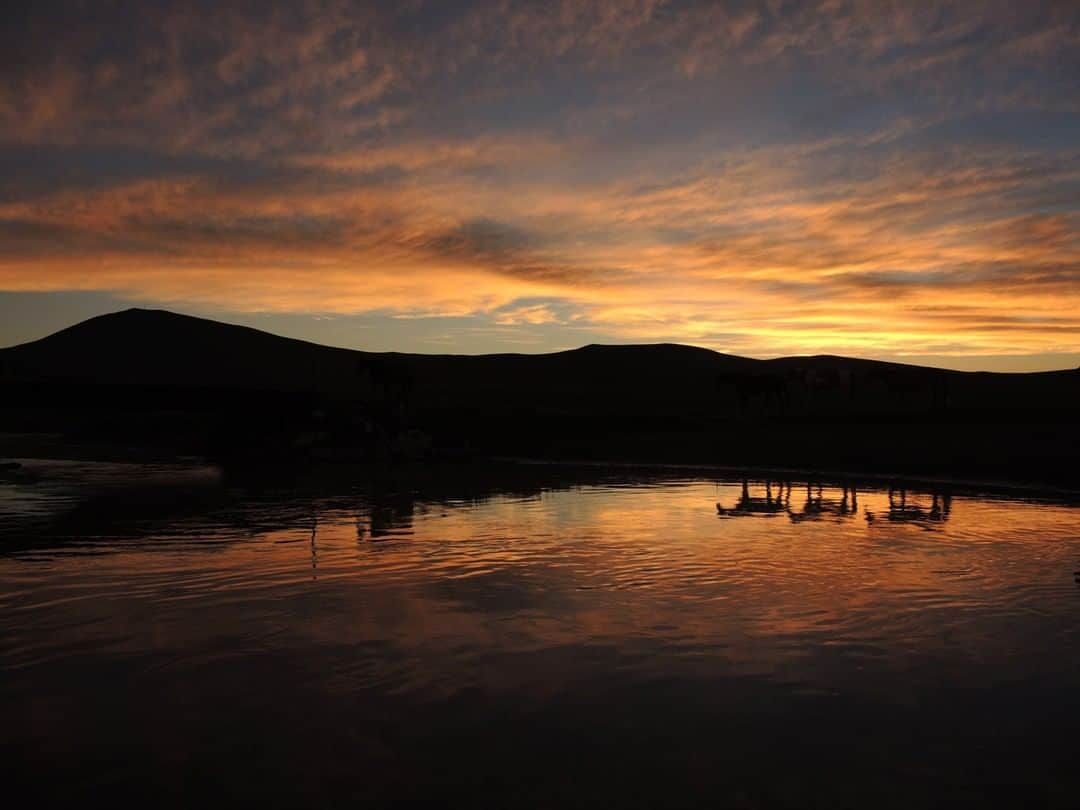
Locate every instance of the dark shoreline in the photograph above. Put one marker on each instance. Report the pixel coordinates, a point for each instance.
(152, 385)
(985, 486)
(53, 448)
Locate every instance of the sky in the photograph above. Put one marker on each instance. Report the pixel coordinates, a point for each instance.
(896, 180)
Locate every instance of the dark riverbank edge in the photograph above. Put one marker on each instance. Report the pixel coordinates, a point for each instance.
(149, 385)
(52, 447)
(873, 480)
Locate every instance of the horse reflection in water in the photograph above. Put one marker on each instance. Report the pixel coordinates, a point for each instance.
(774, 502)
(834, 503)
(819, 507)
(389, 516)
(901, 510)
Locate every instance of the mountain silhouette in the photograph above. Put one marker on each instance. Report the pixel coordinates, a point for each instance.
(156, 347)
(146, 374)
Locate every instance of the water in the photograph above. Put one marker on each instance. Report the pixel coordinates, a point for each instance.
(534, 636)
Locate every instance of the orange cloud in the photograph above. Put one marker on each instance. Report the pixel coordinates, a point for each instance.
(624, 165)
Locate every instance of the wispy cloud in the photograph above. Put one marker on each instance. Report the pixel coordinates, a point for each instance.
(838, 175)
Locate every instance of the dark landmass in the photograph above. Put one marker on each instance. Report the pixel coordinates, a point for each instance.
(173, 384)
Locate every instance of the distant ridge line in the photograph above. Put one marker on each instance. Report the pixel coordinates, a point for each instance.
(156, 318)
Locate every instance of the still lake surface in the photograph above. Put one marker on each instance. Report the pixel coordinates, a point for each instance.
(531, 635)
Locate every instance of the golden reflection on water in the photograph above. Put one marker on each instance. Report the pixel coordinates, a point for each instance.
(390, 638)
(669, 568)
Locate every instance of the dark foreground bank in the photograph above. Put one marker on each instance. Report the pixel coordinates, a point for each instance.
(171, 384)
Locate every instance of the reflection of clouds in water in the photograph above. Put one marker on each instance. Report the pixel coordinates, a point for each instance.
(616, 619)
(506, 590)
(648, 570)
(584, 621)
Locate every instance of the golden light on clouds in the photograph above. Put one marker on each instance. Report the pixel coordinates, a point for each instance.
(761, 180)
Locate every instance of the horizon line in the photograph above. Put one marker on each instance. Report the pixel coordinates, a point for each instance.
(600, 345)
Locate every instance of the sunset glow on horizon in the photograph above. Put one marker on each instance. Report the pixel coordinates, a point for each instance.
(858, 177)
